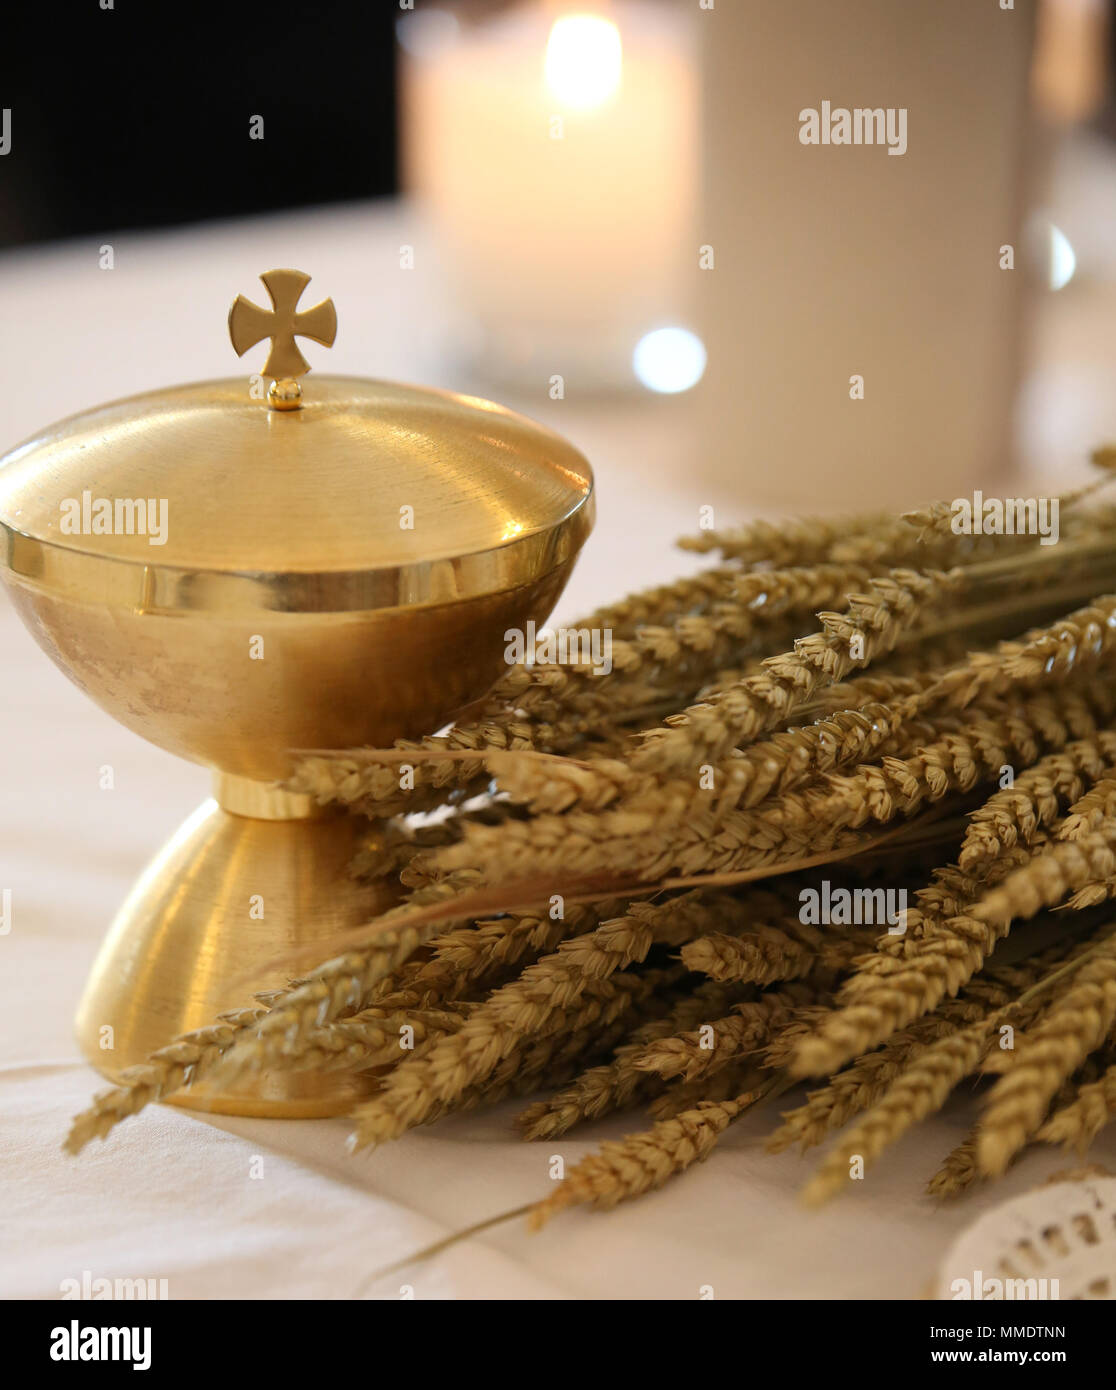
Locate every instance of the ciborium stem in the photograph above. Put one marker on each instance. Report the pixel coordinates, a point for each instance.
(254, 875)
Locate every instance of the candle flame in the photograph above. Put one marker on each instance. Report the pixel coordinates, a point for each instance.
(583, 60)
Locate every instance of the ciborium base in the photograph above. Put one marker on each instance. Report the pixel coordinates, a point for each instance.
(250, 878)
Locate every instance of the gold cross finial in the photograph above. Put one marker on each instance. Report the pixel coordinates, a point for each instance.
(249, 324)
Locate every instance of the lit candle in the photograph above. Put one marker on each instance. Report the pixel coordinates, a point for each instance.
(556, 153)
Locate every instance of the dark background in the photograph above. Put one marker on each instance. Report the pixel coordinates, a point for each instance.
(139, 116)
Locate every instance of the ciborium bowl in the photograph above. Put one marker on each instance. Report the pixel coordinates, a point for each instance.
(239, 575)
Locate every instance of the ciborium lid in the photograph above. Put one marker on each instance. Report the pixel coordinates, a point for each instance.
(348, 493)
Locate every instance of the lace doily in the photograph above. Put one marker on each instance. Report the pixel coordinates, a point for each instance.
(1058, 1242)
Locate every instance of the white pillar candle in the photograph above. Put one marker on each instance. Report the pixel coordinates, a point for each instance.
(556, 152)
(864, 319)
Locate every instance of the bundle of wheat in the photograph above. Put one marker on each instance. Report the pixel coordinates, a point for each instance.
(627, 898)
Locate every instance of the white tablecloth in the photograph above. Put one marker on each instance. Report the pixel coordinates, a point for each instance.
(171, 1195)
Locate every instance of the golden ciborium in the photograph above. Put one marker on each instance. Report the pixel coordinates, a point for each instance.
(236, 574)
